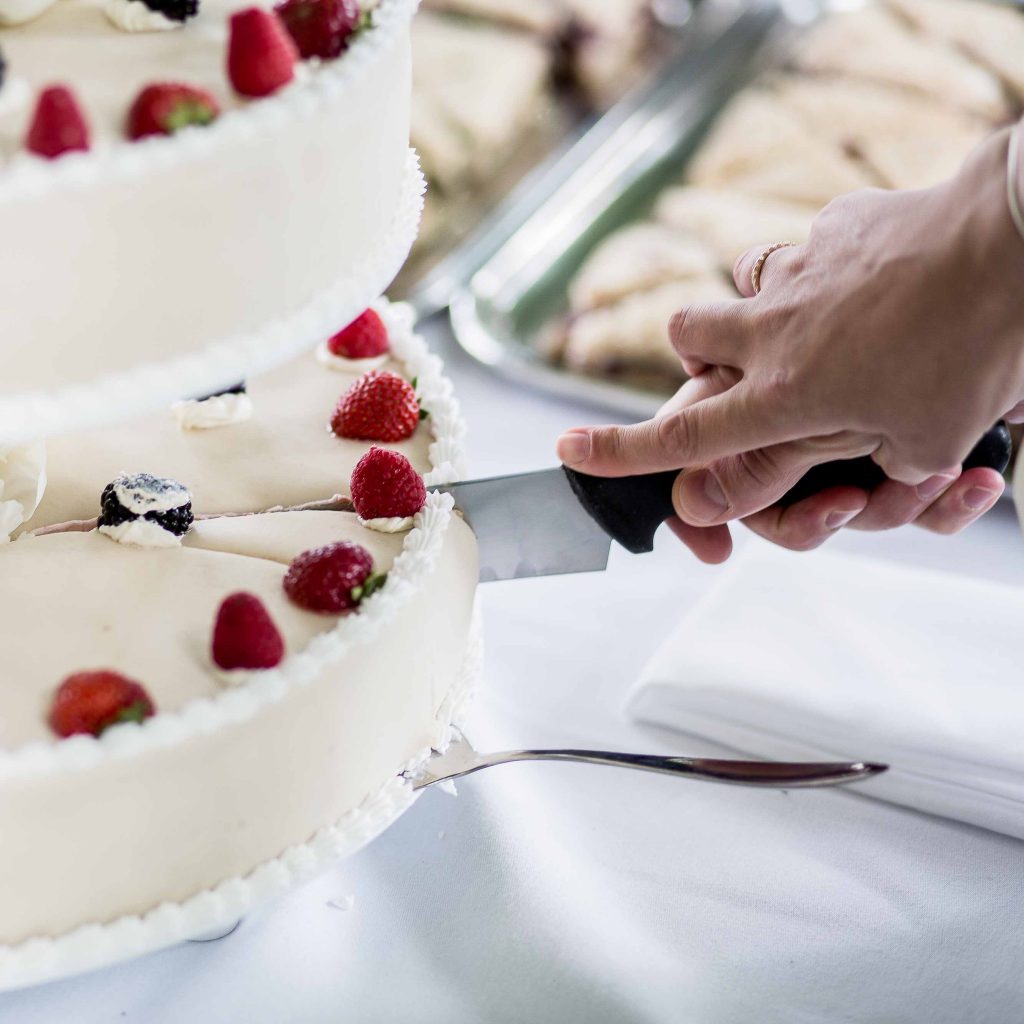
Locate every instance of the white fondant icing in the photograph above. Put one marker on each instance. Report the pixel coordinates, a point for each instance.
(212, 412)
(15, 12)
(96, 945)
(135, 16)
(420, 552)
(99, 943)
(28, 416)
(356, 366)
(142, 533)
(22, 482)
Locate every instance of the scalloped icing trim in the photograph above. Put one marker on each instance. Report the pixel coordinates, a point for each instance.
(35, 415)
(92, 946)
(417, 559)
(27, 176)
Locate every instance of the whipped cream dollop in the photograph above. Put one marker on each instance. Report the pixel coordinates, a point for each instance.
(15, 95)
(357, 366)
(141, 533)
(145, 510)
(135, 16)
(14, 12)
(388, 524)
(216, 411)
(22, 482)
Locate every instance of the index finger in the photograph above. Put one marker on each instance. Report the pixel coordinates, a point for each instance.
(743, 418)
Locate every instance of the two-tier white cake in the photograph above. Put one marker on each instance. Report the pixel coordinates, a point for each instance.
(140, 277)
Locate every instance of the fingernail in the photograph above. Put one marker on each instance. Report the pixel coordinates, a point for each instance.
(701, 497)
(978, 498)
(935, 485)
(837, 520)
(574, 447)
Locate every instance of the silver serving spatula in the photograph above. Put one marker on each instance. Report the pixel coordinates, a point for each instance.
(461, 759)
(560, 521)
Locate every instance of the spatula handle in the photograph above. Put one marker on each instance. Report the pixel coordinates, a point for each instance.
(630, 509)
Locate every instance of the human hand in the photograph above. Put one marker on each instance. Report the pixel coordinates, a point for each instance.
(897, 331)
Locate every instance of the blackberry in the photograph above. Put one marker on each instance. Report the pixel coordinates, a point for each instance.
(176, 10)
(175, 520)
(235, 389)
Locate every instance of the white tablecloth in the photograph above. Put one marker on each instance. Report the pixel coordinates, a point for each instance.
(565, 893)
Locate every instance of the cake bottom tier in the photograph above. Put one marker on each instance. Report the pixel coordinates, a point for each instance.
(140, 852)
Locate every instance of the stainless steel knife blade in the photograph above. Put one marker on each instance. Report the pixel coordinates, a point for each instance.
(530, 524)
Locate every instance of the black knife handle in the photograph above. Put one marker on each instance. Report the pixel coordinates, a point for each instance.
(993, 451)
(631, 508)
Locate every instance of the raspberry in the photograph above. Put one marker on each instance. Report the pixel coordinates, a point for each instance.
(332, 579)
(244, 634)
(364, 338)
(89, 702)
(166, 107)
(384, 484)
(320, 28)
(379, 406)
(58, 124)
(261, 54)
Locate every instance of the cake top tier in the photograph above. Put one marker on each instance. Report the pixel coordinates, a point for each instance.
(196, 201)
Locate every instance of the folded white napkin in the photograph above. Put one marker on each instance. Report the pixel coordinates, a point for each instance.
(841, 657)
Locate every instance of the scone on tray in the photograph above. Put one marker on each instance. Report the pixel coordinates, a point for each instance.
(892, 95)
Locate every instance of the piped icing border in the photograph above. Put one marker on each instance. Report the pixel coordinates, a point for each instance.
(93, 946)
(414, 564)
(33, 415)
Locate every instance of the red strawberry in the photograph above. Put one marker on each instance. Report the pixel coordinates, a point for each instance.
(379, 406)
(165, 107)
(332, 579)
(320, 28)
(364, 338)
(58, 124)
(261, 54)
(244, 634)
(384, 484)
(89, 702)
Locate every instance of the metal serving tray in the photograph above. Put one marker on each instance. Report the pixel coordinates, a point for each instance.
(609, 178)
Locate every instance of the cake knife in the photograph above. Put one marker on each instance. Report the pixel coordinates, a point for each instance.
(557, 521)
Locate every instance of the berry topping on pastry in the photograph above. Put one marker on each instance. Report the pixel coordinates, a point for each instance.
(332, 579)
(146, 510)
(261, 54)
(379, 406)
(89, 702)
(166, 107)
(385, 486)
(320, 28)
(244, 635)
(365, 338)
(58, 124)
